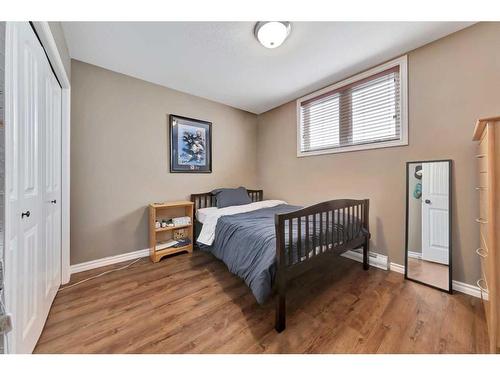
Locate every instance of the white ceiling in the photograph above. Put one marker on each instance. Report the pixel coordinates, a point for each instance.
(223, 62)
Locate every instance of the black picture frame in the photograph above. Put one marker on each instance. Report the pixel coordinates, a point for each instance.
(450, 222)
(194, 153)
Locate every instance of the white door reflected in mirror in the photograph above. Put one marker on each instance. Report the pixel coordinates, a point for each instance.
(428, 223)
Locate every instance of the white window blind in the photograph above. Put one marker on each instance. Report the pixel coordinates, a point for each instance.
(366, 111)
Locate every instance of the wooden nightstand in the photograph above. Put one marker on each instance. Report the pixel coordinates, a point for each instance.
(159, 236)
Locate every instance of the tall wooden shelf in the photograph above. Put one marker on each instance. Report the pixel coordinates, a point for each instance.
(168, 210)
(487, 135)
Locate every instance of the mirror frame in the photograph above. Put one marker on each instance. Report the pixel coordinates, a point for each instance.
(450, 247)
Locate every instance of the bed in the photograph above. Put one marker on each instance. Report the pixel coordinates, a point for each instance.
(267, 243)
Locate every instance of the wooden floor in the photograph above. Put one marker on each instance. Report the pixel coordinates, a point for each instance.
(192, 304)
(429, 272)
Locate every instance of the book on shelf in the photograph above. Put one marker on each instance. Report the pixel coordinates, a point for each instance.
(172, 243)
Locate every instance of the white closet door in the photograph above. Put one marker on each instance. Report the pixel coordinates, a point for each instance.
(29, 252)
(51, 185)
(34, 171)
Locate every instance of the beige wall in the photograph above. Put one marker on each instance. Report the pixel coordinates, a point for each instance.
(452, 82)
(119, 157)
(414, 213)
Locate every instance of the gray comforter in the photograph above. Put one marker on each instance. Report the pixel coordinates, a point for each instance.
(246, 243)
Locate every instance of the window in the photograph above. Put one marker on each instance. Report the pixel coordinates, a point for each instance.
(363, 112)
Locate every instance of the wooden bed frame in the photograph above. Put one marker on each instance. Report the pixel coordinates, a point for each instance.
(329, 239)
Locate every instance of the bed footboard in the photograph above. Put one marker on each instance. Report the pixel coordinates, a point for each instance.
(306, 236)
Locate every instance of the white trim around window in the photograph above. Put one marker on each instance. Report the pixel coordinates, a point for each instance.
(402, 63)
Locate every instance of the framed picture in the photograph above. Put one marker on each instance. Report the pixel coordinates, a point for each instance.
(190, 145)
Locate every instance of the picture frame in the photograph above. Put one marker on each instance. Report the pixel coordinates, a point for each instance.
(190, 145)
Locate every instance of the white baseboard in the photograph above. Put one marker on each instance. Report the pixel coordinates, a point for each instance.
(414, 254)
(397, 268)
(85, 266)
(471, 290)
(374, 259)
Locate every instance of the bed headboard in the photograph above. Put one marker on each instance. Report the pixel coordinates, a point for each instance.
(203, 200)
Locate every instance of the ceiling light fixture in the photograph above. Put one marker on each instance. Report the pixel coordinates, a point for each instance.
(272, 34)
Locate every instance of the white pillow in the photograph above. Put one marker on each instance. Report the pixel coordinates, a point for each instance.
(203, 213)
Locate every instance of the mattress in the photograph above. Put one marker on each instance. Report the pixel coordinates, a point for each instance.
(203, 213)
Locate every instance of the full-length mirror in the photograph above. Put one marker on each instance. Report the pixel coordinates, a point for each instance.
(428, 223)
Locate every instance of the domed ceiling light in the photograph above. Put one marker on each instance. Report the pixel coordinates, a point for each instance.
(272, 34)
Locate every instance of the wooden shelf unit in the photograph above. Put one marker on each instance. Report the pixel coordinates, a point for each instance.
(171, 228)
(168, 210)
(487, 135)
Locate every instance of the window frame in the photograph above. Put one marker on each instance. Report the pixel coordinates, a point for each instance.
(402, 62)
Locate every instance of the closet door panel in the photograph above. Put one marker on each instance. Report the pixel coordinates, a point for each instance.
(56, 184)
(30, 301)
(31, 236)
(29, 157)
(51, 167)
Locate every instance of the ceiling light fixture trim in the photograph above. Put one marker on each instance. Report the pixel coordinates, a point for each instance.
(272, 34)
